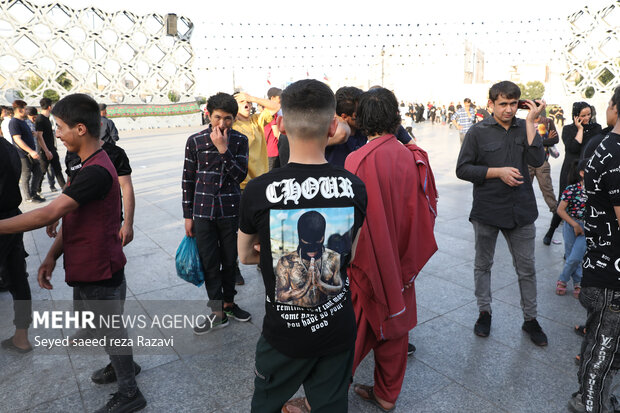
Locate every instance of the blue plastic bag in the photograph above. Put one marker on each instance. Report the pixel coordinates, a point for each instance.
(188, 262)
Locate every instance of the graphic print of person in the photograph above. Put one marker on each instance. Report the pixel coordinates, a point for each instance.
(309, 276)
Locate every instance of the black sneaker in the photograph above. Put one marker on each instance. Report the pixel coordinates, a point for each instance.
(53, 189)
(548, 236)
(108, 375)
(483, 324)
(410, 349)
(120, 403)
(38, 199)
(237, 313)
(209, 326)
(535, 331)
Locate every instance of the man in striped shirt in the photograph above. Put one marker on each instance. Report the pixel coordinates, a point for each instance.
(216, 163)
(464, 118)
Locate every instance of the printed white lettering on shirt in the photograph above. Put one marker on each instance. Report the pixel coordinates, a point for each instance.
(290, 190)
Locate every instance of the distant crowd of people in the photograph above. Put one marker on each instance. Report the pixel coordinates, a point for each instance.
(328, 194)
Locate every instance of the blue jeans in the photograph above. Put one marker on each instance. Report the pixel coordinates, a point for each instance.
(574, 250)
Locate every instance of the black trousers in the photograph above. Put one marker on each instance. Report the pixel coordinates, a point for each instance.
(14, 275)
(53, 169)
(325, 379)
(217, 245)
(30, 180)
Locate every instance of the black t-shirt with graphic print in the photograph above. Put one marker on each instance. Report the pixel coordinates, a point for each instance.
(601, 263)
(307, 217)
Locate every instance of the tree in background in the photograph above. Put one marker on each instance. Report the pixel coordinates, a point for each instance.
(174, 96)
(532, 90)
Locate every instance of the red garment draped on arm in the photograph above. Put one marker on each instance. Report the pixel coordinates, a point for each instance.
(397, 237)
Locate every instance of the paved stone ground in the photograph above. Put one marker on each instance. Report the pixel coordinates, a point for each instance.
(452, 370)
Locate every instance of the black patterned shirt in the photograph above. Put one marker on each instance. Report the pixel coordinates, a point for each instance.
(211, 179)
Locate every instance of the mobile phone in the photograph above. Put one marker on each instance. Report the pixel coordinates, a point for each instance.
(523, 105)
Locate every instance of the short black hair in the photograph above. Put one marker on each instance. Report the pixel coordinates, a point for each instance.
(224, 102)
(507, 89)
(102, 107)
(45, 103)
(274, 91)
(377, 112)
(579, 106)
(308, 108)
(573, 173)
(79, 108)
(467, 100)
(346, 100)
(615, 99)
(31, 111)
(19, 104)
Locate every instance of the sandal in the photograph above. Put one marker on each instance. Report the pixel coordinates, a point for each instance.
(580, 331)
(367, 394)
(576, 291)
(296, 405)
(560, 288)
(8, 345)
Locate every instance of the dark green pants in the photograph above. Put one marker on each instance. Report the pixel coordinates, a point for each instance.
(325, 379)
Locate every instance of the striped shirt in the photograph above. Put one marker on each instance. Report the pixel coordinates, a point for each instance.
(463, 119)
(211, 179)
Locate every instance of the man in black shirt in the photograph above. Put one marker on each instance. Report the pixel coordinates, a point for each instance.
(52, 167)
(108, 132)
(300, 222)
(600, 293)
(12, 254)
(24, 141)
(495, 156)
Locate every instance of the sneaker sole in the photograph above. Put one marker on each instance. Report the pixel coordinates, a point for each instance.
(230, 315)
(139, 406)
(201, 333)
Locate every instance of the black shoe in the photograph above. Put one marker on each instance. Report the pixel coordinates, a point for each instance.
(120, 403)
(535, 331)
(548, 236)
(483, 324)
(410, 349)
(53, 189)
(38, 199)
(108, 375)
(209, 326)
(237, 313)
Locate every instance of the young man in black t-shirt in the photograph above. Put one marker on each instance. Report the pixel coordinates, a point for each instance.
(89, 243)
(12, 253)
(52, 167)
(300, 222)
(600, 292)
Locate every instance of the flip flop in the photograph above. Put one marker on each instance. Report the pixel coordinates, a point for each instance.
(370, 396)
(298, 405)
(8, 345)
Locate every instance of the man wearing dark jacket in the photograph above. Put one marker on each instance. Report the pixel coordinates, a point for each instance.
(494, 156)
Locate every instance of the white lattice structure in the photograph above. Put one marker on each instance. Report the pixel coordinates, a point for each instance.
(593, 54)
(115, 57)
